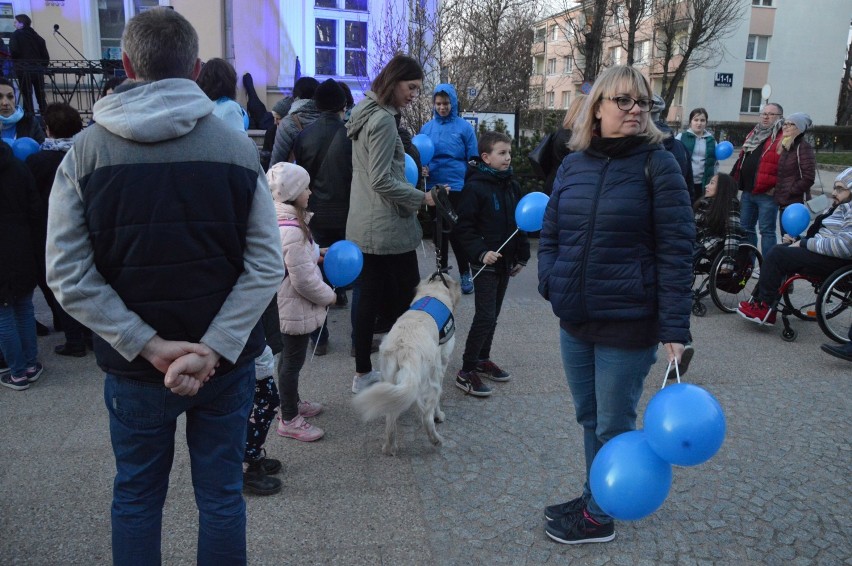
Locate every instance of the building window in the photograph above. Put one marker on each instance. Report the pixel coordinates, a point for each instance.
(569, 64)
(757, 45)
(566, 98)
(538, 65)
(751, 101)
(540, 34)
(551, 97)
(554, 33)
(111, 19)
(640, 51)
(551, 66)
(678, 97)
(614, 55)
(340, 38)
(681, 43)
(535, 96)
(761, 2)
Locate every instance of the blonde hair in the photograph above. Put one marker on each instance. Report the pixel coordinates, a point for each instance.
(573, 111)
(619, 79)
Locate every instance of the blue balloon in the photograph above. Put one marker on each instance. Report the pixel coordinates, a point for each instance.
(24, 147)
(795, 219)
(529, 214)
(343, 262)
(684, 424)
(410, 170)
(724, 150)
(628, 480)
(424, 145)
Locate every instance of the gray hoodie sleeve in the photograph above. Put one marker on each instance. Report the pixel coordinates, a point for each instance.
(264, 270)
(73, 277)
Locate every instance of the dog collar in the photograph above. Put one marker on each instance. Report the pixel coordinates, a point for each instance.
(440, 313)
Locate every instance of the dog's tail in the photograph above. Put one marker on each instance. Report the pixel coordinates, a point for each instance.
(386, 398)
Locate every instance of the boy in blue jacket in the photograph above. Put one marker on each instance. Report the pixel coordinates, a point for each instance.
(486, 221)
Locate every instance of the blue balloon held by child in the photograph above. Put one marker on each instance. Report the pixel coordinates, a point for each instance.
(684, 425)
(529, 214)
(410, 170)
(628, 480)
(24, 147)
(343, 262)
(424, 145)
(724, 150)
(795, 219)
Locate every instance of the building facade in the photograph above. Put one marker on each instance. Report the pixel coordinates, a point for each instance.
(340, 39)
(796, 47)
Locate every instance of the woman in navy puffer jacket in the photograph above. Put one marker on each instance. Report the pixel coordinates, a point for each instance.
(615, 262)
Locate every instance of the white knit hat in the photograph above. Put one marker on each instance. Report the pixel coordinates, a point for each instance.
(287, 181)
(846, 178)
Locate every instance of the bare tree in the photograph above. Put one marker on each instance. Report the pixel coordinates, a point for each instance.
(586, 24)
(628, 17)
(689, 35)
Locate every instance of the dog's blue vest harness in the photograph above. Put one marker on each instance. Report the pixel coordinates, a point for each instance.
(440, 313)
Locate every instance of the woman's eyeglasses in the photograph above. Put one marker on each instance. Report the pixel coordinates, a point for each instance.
(626, 103)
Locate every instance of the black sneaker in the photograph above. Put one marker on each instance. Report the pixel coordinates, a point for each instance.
(470, 383)
(579, 528)
(492, 371)
(260, 484)
(553, 512)
(34, 372)
(269, 466)
(16, 383)
(69, 349)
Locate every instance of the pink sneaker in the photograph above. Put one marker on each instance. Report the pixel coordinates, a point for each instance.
(308, 409)
(300, 429)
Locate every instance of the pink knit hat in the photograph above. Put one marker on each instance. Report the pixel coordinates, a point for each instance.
(287, 181)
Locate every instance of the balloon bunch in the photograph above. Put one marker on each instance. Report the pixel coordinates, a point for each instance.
(23, 147)
(632, 474)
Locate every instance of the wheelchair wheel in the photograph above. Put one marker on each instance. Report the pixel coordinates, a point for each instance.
(834, 305)
(699, 308)
(728, 289)
(797, 304)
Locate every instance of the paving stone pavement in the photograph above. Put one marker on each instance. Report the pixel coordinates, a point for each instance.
(777, 493)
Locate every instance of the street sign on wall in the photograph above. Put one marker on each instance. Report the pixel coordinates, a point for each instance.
(724, 80)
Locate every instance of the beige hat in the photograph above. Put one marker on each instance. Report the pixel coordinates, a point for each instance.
(287, 181)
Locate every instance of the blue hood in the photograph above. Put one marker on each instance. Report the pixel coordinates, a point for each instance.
(449, 90)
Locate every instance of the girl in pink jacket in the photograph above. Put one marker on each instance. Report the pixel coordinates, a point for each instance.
(302, 296)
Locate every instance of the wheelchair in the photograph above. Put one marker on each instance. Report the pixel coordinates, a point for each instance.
(725, 278)
(830, 305)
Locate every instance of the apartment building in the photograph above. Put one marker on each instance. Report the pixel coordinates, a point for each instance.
(331, 38)
(797, 47)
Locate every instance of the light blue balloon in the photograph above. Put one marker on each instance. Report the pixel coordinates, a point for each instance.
(343, 262)
(529, 214)
(724, 150)
(410, 170)
(24, 147)
(795, 219)
(628, 480)
(684, 424)
(424, 145)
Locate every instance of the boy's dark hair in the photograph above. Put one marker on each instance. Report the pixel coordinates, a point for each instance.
(350, 102)
(217, 79)
(24, 19)
(305, 87)
(400, 68)
(489, 139)
(62, 120)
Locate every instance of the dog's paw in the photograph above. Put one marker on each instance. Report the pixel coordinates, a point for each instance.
(437, 440)
(389, 450)
(439, 416)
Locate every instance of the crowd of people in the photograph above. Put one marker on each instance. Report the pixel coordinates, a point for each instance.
(633, 210)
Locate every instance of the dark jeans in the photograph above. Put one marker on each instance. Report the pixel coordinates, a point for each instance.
(489, 291)
(458, 249)
(783, 260)
(27, 82)
(142, 422)
(291, 362)
(381, 273)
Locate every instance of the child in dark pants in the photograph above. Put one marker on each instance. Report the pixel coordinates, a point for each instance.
(486, 221)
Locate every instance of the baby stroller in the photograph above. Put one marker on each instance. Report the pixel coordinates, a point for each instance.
(726, 278)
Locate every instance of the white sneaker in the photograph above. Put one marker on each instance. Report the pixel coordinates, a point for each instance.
(366, 380)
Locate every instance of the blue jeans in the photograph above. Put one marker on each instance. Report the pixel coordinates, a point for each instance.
(18, 334)
(606, 384)
(759, 211)
(142, 421)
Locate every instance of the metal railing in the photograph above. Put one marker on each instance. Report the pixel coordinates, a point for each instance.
(76, 82)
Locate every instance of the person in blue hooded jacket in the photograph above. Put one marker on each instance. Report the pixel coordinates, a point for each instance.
(455, 145)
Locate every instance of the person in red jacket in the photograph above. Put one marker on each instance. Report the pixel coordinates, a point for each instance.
(756, 172)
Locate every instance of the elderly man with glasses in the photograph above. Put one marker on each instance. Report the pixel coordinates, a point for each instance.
(756, 172)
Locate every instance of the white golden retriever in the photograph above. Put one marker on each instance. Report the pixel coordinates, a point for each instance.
(412, 364)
